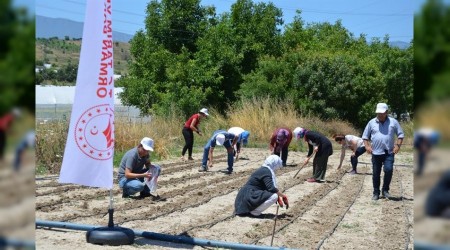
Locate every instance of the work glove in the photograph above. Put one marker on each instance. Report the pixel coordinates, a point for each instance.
(285, 200)
(280, 201)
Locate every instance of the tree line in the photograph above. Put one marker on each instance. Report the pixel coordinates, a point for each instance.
(188, 57)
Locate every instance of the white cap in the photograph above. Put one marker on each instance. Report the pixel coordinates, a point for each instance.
(220, 139)
(204, 111)
(147, 143)
(381, 108)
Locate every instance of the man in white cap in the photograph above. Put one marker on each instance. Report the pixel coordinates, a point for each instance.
(220, 137)
(380, 131)
(242, 139)
(134, 168)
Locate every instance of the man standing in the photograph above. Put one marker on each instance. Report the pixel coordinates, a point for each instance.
(380, 131)
(134, 167)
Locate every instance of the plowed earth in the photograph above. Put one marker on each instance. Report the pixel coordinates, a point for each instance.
(336, 214)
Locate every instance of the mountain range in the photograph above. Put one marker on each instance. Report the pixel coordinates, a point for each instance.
(47, 27)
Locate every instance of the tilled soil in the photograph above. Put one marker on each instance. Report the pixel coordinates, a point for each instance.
(335, 214)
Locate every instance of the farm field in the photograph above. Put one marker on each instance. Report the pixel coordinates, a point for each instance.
(336, 214)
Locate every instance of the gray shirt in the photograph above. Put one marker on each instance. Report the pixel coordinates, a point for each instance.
(132, 161)
(382, 134)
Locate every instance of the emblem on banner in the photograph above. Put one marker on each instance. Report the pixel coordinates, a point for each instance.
(94, 132)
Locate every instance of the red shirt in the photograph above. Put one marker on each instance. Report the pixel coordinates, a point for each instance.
(273, 139)
(189, 121)
(5, 121)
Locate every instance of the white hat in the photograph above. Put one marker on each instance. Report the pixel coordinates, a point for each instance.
(381, 108)
(220, 139)
(204, 111)
(299, 132)
(147, 143)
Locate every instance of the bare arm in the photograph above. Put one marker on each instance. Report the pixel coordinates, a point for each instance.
(130, 175)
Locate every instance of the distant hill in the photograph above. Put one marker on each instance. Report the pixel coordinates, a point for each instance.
(47, 27)
(399, 44)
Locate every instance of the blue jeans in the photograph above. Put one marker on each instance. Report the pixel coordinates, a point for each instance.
(132, 186)
(377, 163)
(227, 145)
(354, 159)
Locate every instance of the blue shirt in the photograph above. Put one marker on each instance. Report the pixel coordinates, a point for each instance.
(382, 134)
(228, 136)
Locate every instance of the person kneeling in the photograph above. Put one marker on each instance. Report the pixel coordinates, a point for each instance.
(260, 191)
(136, 170)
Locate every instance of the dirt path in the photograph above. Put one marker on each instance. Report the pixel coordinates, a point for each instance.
(337, 214)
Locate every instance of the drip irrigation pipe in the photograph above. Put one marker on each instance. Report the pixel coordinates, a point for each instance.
(159, 236)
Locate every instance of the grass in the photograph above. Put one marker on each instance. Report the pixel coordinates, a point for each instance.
(260, 117)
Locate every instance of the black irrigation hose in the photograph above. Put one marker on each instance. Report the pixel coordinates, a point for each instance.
(298, 216)
(405, 212)
(342, 216)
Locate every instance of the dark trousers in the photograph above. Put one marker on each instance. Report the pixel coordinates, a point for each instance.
(188, 135)
(320, 166)
(354, 159)
(2, 144)
(284, 155)
(378, 161)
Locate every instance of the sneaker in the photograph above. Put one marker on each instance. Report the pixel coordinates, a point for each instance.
(125, 195)
(353, 172)
(144, 194)
(386, 194)
(375, 197)
(226, 171)
(182, 158)
(311, 180)
(190, 158)
(203, 169)
(158, 198)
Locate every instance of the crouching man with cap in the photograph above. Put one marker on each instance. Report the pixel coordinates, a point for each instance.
(220, 137)
(134, 168)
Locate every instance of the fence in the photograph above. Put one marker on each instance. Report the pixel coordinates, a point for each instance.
(52, 112)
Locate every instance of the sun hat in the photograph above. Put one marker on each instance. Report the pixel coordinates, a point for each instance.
(220, 139)
(245, 136)
(147, 143)
(381, 108)
(204, 111)
(299, 132)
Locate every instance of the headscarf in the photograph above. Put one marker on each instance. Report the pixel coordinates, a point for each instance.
(273, 163)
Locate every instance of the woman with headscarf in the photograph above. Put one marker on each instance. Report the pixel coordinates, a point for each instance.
(319, 144)
(279, 143)
(260, 191)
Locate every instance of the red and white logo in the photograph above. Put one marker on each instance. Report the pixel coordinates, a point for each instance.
(94, 132)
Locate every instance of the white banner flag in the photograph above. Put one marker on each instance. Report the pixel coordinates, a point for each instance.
(88, 156)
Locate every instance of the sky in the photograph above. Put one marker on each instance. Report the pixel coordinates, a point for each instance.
(375, 18)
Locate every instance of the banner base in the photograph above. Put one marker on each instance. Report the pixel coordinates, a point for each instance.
(112, 236)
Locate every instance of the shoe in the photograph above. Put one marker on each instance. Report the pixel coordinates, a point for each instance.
(190, 158)
(144, 194)
(125, 195)
(182, 158)
(353, 172)
(386, 194)
(158, 198)
(375, 197)
(226, 171)
(203, 169)
(311, 180)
